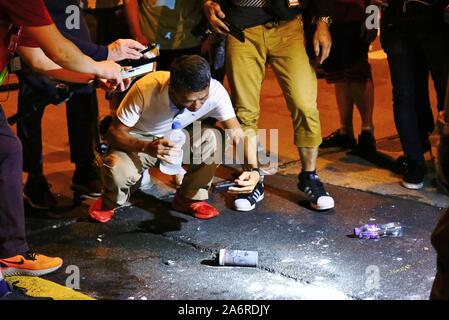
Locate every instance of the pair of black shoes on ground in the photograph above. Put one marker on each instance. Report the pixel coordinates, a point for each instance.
(86, 183)
(413, 171)
(365, 146)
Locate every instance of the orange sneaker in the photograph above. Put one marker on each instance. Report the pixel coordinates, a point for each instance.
(29, 264)
(198, 209)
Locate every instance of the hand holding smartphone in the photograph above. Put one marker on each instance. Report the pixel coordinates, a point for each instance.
(235, 31)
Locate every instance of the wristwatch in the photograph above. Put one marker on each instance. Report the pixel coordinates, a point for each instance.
(326, 19)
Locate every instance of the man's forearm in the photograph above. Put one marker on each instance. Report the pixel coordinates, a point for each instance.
(95, 51)
(250, 153)
(39, 62)
(62, 51)
(249, 140)
(121, 140)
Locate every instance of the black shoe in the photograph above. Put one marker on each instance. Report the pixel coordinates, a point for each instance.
(414, 175)
(247, 202)
(37, 193)
(338, 140)
(86, 182)
(310, 184)
(399, 165)
(366, 146)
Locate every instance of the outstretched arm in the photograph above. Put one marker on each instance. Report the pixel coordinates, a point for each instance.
(64, 53)
(248, 180)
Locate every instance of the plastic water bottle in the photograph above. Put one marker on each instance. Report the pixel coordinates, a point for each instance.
(177, 136)
(376, 231)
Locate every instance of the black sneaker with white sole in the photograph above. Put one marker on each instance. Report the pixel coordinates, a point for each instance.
(247, 202)
(310, 184)
(414, 175)
(86, 182)
(37, 193)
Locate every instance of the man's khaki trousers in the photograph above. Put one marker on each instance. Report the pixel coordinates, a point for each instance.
(122, 170)
(284, 49)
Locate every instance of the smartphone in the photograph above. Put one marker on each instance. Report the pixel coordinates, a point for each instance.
(142, 66)
(223, 186)
(235, 31)
(139, 70)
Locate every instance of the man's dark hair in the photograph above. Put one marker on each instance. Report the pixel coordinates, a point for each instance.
(190, 72)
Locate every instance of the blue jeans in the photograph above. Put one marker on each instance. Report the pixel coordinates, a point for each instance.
(12, 214)
(413, 52)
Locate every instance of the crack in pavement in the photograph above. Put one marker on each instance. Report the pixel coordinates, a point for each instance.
(271, 270)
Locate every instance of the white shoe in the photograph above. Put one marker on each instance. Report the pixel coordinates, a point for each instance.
(247, 202)
(319, 199)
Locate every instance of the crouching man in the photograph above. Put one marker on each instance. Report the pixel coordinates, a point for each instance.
(186, 94)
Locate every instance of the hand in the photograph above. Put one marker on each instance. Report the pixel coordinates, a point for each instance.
(322, 41)
(110, 71)
(247, 180)
(122, 49)
(213, 12)
(112, 87)
(368, 35)
(161, 148)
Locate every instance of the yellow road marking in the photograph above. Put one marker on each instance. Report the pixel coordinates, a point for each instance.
(41, 288)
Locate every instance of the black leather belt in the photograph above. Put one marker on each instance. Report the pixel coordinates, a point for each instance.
(275, 24)
(280, 23)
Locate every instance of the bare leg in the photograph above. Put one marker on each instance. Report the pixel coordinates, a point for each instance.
(345, 103)
(308, 158)
(363, 95)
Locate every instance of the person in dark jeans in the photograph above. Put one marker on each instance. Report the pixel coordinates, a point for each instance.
(82, 114)
(36, 92)
(16, 19)
(416, 41)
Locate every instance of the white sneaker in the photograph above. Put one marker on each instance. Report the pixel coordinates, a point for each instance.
(319, 199)
(247, 202)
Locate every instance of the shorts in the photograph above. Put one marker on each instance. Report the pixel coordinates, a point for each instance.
(348, 59)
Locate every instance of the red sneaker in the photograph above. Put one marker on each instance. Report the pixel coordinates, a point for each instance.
(96, 213)
(198, 209)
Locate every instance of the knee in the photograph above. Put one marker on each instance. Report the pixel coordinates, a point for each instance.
(11, 147)
(210, 147)
(119, 171)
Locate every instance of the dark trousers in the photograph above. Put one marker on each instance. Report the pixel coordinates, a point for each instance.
(12, 215)
(82, 114)
(166, 57)
(412, 53)
(107, 25)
